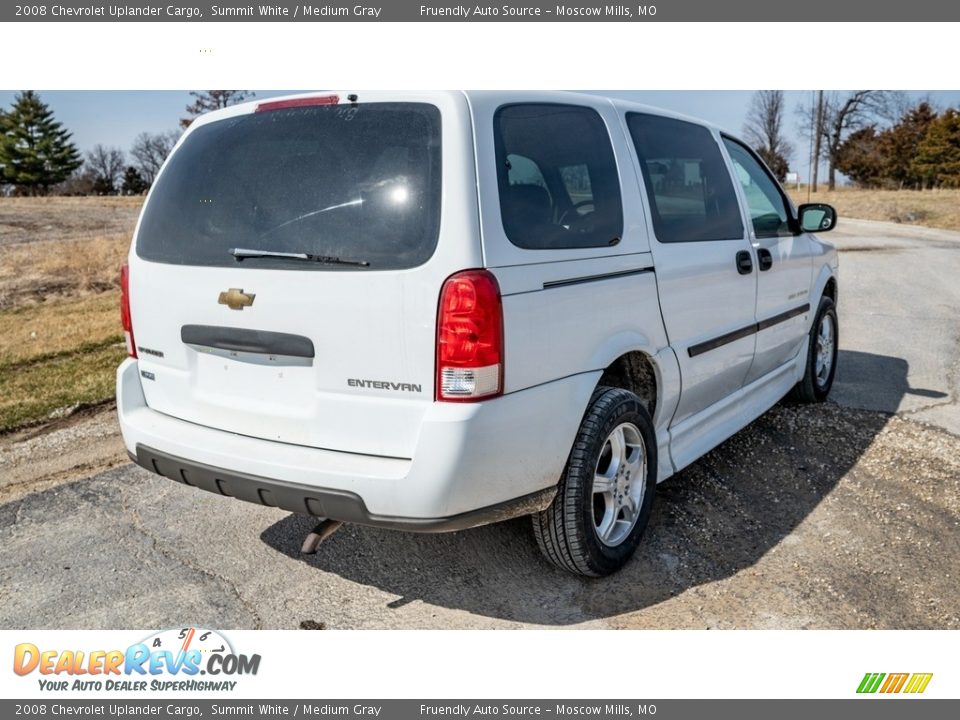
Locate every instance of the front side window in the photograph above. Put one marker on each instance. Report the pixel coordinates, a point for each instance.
(692, 197)
(768, 207)
(358, 183)
(557, 177)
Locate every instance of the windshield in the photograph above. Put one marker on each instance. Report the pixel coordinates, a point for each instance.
(354, 182)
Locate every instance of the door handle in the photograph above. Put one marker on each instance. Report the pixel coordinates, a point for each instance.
(744, 263)
(765, 259)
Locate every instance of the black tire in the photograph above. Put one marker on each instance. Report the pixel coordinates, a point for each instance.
(813, 388)
(566, 531)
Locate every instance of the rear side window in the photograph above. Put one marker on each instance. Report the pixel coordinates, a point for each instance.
(557, 177)
(360, 183)
(692, 197)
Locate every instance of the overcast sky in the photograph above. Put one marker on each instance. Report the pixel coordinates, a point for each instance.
(115, 118)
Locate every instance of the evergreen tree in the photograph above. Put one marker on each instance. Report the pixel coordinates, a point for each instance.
(35, 149)
(938, 156)
(133, 182)
(207, 100)
(900, 143)
(860, 158)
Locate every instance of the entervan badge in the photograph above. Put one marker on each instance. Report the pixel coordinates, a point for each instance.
(236, 299)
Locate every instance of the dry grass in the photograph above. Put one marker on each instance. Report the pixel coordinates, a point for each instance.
(58, 356)
(55, 269)
(62, 247)
(55, 387)
(27, 220)
(41, 332)
(60, 335)
(929, 208)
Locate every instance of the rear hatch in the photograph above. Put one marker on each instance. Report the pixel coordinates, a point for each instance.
(287, 266)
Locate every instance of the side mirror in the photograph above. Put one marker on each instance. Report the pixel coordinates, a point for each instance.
(817, 217)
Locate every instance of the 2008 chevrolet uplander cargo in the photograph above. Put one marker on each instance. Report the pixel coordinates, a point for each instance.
(435, 310)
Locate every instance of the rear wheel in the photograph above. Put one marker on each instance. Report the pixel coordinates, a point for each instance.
(605, 497)
(821, 355)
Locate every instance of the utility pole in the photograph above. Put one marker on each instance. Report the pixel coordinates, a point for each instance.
(818, 133)
(813, 131)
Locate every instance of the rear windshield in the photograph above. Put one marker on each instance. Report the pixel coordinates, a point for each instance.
(356, 182)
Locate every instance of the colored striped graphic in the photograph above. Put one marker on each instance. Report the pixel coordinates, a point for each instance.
(918, 682)
(914, 683)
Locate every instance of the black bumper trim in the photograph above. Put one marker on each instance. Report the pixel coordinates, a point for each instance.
(322, 502)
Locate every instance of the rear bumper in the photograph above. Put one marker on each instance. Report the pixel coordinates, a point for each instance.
(335, 504)
(474, 463)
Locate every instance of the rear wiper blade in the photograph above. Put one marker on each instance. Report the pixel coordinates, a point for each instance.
(243, 253)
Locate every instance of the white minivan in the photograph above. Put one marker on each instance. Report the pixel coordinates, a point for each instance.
(434, 310)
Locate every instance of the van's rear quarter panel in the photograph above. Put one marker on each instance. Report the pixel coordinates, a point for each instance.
(561, 331)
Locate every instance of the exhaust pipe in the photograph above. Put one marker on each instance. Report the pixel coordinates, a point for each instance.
(324, 529)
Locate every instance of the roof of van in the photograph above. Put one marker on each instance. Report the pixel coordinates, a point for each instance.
(543, 96)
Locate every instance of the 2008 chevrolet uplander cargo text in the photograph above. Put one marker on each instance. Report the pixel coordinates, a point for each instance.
(431, 311)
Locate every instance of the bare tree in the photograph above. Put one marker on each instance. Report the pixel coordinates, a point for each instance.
(208, 100)
(107, 165)
(764, 130)
(81, 182)
(845, 113)
(149, 150)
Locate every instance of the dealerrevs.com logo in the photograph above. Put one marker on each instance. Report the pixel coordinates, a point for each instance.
(909, 683)
(169, 660)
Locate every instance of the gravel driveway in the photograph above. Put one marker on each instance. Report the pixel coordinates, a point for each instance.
(844, 515)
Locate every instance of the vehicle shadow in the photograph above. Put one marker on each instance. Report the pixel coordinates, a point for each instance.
(710, 521)
(875, 382)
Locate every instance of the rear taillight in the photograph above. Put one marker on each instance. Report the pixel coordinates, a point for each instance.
(297, 103)
(470, 338)
(125, 310)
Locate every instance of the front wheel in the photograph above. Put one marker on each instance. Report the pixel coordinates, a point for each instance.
(821, 355)
(605, 497)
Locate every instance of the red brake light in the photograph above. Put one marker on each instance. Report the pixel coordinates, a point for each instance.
(297, 102)
(125, 310)
(470, 338)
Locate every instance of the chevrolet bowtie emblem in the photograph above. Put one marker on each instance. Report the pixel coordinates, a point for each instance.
(236, 299)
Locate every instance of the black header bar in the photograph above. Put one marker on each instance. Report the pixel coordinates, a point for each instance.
(812, 11)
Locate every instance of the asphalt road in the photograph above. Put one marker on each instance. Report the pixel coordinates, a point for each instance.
(900, 321)
(844, 515)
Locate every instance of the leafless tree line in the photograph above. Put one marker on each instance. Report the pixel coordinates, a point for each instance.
(828, 121)
(111, 171)
(833, 116)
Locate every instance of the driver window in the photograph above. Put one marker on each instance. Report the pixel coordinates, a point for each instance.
(768, 209)
(557, 177)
